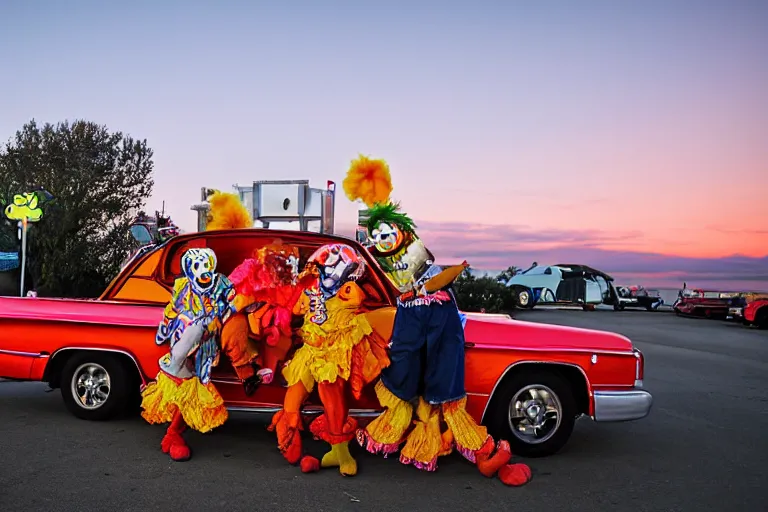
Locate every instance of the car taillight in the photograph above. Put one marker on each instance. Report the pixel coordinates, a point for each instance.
(639, 368)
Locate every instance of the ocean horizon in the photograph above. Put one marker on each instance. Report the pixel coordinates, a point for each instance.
(667, 288)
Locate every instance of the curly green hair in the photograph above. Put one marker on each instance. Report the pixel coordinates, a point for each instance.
(389, 213)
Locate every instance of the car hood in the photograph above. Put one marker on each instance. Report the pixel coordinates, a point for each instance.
(501, 331)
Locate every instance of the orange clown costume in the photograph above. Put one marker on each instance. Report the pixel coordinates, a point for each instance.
(340, 350)
(427, 345)
(270, 285)
(183, 394)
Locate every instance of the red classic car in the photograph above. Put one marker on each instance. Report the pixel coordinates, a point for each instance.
(709, 304)
(756, 313)
(527, 382)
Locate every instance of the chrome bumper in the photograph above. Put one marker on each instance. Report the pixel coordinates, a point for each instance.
(622, 405)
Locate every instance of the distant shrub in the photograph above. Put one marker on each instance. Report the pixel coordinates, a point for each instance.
(477, 294)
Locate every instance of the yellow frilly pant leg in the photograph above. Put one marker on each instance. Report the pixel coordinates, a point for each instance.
(424, 442)
(201, 405)
(468, 436)
(386, 433)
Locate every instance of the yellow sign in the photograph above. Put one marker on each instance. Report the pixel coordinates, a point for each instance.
(25, 207)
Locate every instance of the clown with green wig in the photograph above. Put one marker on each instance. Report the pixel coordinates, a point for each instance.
(422, 391)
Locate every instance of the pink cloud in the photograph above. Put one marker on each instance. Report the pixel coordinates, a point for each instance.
(497, 247)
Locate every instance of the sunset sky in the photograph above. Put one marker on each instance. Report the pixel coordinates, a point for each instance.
(627, 135)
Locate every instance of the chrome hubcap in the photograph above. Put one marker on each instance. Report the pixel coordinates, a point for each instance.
(535, 414)
(523, 298)
(90, 385)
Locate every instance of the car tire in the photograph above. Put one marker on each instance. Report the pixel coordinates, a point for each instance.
(95, 386)
(513, 395)
(761, 318)
(524, 298)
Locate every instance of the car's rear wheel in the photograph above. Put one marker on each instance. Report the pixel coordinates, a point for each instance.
(95, 386)
(535, 411)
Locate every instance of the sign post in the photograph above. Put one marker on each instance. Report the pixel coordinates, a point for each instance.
(25, 208)
(23, 223)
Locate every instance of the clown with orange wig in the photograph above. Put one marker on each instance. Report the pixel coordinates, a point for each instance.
(259, 334)
(427, 346)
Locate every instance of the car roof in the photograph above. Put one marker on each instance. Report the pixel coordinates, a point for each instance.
(586, 269)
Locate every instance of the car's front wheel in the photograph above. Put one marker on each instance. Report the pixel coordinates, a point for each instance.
(95, 386)
(536, 412)
(524, 298)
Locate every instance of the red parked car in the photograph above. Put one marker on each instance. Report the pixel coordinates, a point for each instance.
(756, 313)
(709, 304)
(527, 382)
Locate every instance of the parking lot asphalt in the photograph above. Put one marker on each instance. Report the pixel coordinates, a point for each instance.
(702, 447)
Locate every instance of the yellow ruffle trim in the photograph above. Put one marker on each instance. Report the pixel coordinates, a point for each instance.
(201, 405)
(466, 433)
(425, 441)
(390, 426)
(327, 351)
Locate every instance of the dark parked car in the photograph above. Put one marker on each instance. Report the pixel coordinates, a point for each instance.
(638, 297)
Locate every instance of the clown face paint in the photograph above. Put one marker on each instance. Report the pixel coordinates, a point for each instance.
(337, 263)
(198, 266)
(387, 238)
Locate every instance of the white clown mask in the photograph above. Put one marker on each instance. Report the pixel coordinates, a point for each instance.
(386, 238)
(199, 266)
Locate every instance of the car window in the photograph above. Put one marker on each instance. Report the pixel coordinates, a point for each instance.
(232, 250)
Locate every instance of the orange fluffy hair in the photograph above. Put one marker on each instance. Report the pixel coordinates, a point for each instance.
(369, 180)
(227, 212)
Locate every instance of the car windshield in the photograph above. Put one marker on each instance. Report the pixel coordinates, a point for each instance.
(232, 250)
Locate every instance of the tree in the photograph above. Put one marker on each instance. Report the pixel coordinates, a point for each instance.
(8, 239)
(476, 294)
(505, 275)
(99, 179)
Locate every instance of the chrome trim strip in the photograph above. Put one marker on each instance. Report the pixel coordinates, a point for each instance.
(505, 372)
(114, 350)
(312, 410)
(629, 353)
(622, 405)
(39, 355)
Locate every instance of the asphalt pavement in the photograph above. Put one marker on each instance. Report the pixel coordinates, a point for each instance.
(702, 447)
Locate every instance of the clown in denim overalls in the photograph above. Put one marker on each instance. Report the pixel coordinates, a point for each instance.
(425, 378)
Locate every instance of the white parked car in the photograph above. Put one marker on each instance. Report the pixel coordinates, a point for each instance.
(562, 284)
